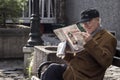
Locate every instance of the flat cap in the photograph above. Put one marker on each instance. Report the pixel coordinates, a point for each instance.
(89, 14)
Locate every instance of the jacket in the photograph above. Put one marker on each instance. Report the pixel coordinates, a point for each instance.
(92, 62)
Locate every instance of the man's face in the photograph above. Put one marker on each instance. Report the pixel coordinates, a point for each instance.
(91, 25)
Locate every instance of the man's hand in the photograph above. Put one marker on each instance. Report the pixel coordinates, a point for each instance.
(86, 36)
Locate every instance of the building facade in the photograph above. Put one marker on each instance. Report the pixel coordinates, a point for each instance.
(68, 12)
(49, 11)
(109, 12)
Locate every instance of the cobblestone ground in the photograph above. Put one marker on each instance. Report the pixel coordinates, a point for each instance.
(13, 70)
(112, 73)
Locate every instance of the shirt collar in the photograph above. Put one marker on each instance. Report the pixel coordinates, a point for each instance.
(96, 31)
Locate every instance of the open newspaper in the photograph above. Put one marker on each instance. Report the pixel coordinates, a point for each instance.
(72, 34)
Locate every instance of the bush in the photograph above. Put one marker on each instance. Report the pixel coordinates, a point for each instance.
(10, 9)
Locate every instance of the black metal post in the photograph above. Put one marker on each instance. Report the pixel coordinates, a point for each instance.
(35, 35)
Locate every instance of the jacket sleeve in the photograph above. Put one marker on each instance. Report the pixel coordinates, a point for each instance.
(68, 57)
(102, 53)
(68, 54)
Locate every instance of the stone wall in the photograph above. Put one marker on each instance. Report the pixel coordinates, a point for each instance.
(12, 41)
(109, 11)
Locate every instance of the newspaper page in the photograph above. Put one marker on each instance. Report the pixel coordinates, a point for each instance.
(72, 34)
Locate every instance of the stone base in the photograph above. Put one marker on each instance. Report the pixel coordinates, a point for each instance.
(27, 58)
(43, 54)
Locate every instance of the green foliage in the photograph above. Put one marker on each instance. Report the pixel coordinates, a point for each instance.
(10, 9)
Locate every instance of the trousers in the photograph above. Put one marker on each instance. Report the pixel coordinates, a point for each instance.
(54, 72)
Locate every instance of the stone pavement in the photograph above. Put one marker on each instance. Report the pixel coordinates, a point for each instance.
(13, 70)
(112, 73)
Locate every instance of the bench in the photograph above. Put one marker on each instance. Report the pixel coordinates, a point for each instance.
(116, 59)
(116, 62)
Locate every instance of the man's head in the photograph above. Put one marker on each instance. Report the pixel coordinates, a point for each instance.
(90, 20)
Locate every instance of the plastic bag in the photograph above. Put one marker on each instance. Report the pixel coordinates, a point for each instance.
(61, 49)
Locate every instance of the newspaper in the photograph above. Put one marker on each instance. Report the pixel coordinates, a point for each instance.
(72, 34)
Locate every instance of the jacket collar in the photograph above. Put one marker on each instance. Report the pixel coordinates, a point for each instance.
(96, 31)
(98, 34)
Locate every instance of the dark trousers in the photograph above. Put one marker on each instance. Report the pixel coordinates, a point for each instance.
(54, 72)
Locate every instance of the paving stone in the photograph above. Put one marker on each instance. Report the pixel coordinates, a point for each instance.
(6, 79)
(13, 70)
(112, 73)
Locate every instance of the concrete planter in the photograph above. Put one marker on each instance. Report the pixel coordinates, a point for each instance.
(43, 54)
(12, 41)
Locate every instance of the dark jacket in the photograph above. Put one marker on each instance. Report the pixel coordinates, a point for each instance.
(92, 62)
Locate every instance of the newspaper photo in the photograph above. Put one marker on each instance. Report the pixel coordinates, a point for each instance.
(72, 34)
